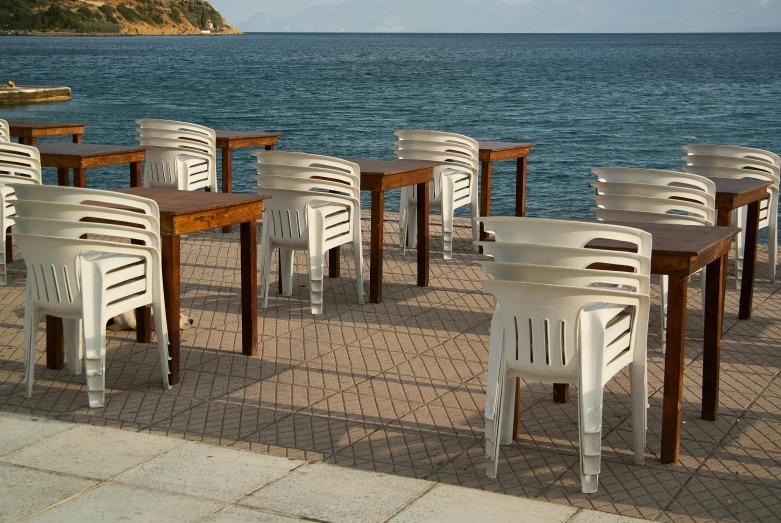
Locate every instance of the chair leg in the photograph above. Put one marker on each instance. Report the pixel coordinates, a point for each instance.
(73, 347)
(772, 245)
(412, 226)
(358, 259)
(493, 434)
(94, 354)
(31, 320)
(663, 283)
(403, 215)
(638, 386)
(161, 330)
(740, 245)
(506, 410)
(265, 268)
(447, 218)
(316, 272)
(286, 257)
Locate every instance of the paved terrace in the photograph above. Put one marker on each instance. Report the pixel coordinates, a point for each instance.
(399, 388)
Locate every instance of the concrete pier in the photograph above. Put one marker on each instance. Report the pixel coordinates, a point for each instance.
(27, 94)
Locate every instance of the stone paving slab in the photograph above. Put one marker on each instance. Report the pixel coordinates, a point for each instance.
(399, 388)
(199, 482)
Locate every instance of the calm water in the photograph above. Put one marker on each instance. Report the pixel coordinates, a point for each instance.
(586, 100)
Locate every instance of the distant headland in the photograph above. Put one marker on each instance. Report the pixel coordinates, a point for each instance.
(111, 17)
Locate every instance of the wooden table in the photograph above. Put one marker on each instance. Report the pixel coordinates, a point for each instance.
(378, 176)
(184, 212)
(229, 140)
(494, 152)
(29, 132)
(731, 195)
(81, 156)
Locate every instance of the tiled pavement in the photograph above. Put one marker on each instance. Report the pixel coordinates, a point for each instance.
(47, 474)
(399, 388)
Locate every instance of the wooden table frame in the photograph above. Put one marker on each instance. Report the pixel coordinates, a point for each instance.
(378, 176)
(28, 132)
(183, 212)
(731, 195)
(229, 140)
(82, 156)
(494, 152)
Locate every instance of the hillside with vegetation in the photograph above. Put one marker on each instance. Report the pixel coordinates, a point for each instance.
(120, 17)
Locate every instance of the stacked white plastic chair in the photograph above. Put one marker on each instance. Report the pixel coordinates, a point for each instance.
(18, 164)
(552, 324)
(183, 155)
(455, 184)
(315, 206)
(5, 131)
(87, 281)
(728, 161)
(654, 196)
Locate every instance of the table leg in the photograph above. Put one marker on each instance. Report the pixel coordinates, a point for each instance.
(673, 368)
(375, 259)
(169, 248)
(80, 178)
(63, 179)
(749, 261)
(716, 279)
(55, 343)
(249, 288)
(32, 140)
(485, 195)
(269, 147)
(76, 138)
(135, 174)
(423, 236)
(520, 187)
(9, 248)
(560, 392)
(227, 177)
(334, 262)
(143, 316)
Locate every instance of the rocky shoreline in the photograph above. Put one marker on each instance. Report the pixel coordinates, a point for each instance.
(21, 32)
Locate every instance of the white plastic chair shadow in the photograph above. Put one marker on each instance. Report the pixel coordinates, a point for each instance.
(455, 183)
(182, 156)
(86, 282)
(18, 164)
(314, 206)
(554, 326)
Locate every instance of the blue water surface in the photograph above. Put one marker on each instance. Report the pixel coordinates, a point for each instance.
(585, 100)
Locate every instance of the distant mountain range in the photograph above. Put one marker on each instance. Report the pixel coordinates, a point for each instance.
(536, 16)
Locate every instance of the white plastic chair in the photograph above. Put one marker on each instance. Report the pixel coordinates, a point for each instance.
(315, 206)
(768, 212)
(182, 156)
(675, 205)
(18, 164)
(552, 325)
(455, 184)
(5, 131)
(739, 163)
(86, 282)
(735, 151)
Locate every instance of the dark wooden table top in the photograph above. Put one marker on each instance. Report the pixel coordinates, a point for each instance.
(383, 175)
(503, 146)
(176, 203)
(183, 212)
(677, 249)
(14, 124)
(227, 139)
(732, 194)
(498, 151)
(86, 150)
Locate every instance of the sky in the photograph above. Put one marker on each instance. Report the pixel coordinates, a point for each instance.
(504, 15)
(236, 11)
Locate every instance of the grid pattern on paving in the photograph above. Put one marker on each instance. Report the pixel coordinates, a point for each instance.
(399, 387)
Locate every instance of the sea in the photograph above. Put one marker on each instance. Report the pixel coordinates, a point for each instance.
(586, 100)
